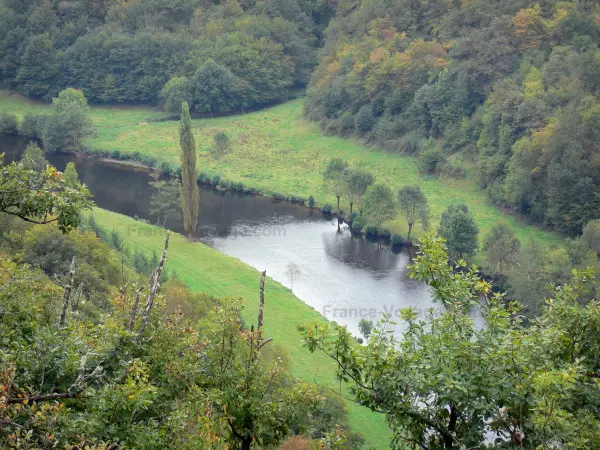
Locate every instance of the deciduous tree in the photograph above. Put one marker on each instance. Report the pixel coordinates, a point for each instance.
(460, 230)
(413, 206)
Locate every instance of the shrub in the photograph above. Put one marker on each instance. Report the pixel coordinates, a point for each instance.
(327, 208)
(358, 223)
(239, 187)
(278, 196)
(203, 178)
(311, 201)
(431, 159)
(385, 233)
(397, 239)
(352, 217)
(450, 170)
(222, 145)
(346, 123)
(29, 126)
(9, 123)
(341, 213)
(364, 119)
(410, 144)
(371, 230)
(216, 180)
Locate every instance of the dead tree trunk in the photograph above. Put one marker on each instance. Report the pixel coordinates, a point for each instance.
(68, 288)
(155, 284)
(75, 304)
(134, 310)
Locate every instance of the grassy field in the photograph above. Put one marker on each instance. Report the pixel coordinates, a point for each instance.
(206, 270)
(275, 150)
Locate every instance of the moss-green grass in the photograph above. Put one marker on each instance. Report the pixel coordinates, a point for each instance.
(276, 150)
(204, 269)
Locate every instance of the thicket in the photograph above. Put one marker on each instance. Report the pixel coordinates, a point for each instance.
(215, 55)
(511, 85)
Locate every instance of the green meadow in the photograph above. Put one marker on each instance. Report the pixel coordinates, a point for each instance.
(276, 151)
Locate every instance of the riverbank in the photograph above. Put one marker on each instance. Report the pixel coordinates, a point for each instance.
(277, 152)
(205, 269)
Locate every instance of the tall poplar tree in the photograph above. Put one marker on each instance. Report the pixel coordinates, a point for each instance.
(190, 195)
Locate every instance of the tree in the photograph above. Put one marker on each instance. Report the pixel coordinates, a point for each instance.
(413, 206)
(39, 67)
(70, 124)
(448, 383)
(356, 183)
(165, 202)
(221, 146)
(190, 194)
(333, 177)
(33, 158)
(591, 235)
(215, 88)
(502, 247)
(366, 328)
(292, 271)
(41, 197)
(460, 230)
(71, 176)
(379, 204)
(176, 91)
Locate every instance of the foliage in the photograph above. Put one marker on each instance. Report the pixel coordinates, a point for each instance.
(118, 52)
(41, 197)
(356, 181)
(413, 206)
(379, 203)
(460, 231)
(71, 176)
(8, 123)
(70, 124)
(190, 194)
(333, 177)
(532, 386)
(591, 235)
(222, 145)
(215, 88)
(176, 91)
(33, 159)
(501, 247)
(366, 328)
(165, 202)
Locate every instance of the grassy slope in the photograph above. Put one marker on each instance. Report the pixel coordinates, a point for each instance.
(205, 269)
(275, 150)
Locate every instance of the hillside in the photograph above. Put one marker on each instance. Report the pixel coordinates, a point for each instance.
(512, 85)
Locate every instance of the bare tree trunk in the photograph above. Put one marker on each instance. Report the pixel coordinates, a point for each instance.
(75, 304)
(410, 225)
(134, 310)
(68, 288)
(261, 308)
(155, 284)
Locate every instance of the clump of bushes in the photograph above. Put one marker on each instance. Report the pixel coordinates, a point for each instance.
(450, 170)
(31, 125)
(278, 196)
(358, 224)
(431, 159)
(9, 123)
(397, 239)
(311, 201)
(216, 180)
(371, 230)
(327, 208)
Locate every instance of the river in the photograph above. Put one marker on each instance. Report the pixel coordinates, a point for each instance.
(344, 277)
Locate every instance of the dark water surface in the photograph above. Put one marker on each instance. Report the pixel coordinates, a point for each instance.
(344, 277)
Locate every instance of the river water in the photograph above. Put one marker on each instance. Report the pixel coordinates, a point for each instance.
(344, 277)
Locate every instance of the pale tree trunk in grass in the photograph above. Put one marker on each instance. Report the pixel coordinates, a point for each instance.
(155, 284)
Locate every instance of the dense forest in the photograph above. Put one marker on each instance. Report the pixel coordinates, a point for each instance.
(511, 84)
(126, 51)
